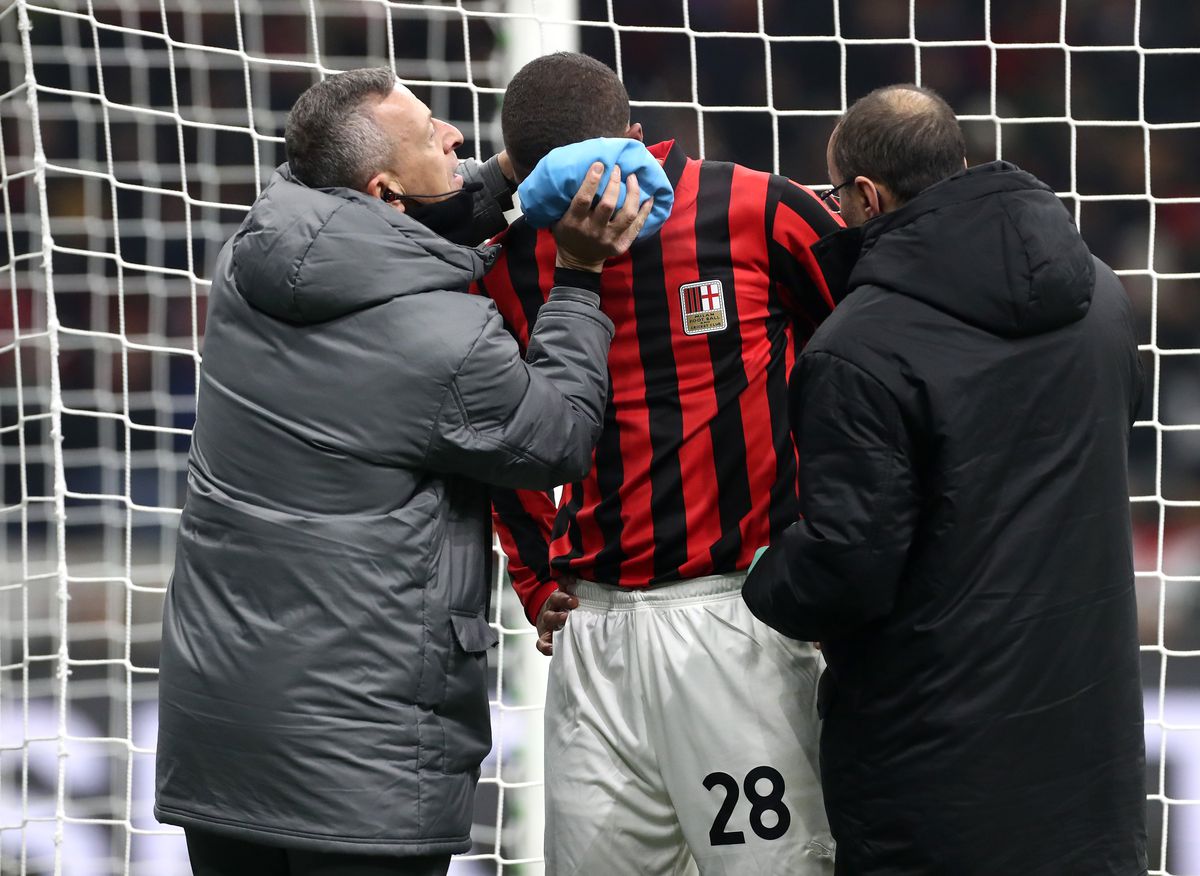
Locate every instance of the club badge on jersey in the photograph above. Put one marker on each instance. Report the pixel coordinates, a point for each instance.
(703, 307)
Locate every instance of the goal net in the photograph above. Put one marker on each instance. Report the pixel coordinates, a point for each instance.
(134, 134)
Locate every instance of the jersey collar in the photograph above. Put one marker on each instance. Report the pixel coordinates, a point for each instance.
(672, 158)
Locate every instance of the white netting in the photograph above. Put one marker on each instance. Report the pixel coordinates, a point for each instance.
(135, 133)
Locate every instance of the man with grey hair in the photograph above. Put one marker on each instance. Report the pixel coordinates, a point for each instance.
(963, 551)
(323, 689)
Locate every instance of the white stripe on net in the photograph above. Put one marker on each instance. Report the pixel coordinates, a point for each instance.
(62, 594)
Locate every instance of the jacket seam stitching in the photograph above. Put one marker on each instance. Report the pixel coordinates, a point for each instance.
(859, 368)
(594, 316)
(893, 419)
(1024, 254)
(295, 278)
(279, 831)
(453, 394)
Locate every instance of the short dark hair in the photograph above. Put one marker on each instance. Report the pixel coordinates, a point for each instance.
(560, 99)
(331, 135)
(904, 136)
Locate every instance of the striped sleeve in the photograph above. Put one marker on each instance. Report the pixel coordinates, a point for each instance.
(524, 520)
(519, 283)
(796, 219)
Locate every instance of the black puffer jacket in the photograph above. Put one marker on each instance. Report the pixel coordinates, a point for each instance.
(964, 553)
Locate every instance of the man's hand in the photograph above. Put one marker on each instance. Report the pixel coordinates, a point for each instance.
(506, 166)
(588, 235)
(553, 617)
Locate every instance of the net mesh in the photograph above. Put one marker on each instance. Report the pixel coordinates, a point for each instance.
(134, 134)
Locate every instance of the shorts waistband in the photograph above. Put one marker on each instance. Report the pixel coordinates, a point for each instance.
(690, 590)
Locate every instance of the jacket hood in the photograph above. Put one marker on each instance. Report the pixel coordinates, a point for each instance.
(308, 255)
(992, 246)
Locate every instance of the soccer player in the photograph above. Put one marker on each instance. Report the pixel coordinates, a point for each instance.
(675, 737)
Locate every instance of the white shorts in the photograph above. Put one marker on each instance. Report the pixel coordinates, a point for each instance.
(681, 737)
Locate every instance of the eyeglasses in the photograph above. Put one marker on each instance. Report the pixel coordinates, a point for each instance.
(831, 199)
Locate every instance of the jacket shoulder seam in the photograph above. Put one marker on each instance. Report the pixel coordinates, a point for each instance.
(294, 282)
(1024, 249)
(859, 368)
(453, 394)
(895, 421)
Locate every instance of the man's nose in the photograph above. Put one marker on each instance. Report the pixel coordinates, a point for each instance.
(452, 137)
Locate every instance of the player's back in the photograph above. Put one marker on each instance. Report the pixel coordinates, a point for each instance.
(696, 465)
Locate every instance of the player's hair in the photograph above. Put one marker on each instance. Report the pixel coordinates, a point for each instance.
(560, 99)
(331, 135)
(904, 136)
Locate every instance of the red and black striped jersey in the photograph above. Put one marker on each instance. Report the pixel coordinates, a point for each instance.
(696, 466)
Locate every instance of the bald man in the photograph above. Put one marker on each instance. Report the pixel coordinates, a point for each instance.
(963, 548)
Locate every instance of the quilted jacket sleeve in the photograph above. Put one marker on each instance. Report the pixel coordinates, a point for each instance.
(492, 200)
(528, 423)
(837, 568)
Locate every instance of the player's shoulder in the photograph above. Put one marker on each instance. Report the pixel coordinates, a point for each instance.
(742, 172)
(759, 189)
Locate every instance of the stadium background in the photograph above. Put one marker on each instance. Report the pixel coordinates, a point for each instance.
(141, 188)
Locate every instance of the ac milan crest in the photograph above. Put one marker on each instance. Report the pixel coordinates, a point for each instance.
(703, 307)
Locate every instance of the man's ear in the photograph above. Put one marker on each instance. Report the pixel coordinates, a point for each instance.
(383, 186)
(866, 189)
(877, 198)
(634, 132)
(885, 199)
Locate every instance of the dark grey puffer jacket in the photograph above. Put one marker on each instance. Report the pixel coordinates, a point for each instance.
(323, 662)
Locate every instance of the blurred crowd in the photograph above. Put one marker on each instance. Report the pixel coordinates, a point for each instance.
(758, 83)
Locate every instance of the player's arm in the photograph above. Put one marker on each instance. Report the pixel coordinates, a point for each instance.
(523, 519)
(797, 220)
(838, 567)
(524, 522)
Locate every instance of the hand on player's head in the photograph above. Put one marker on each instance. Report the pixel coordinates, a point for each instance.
(593, 231)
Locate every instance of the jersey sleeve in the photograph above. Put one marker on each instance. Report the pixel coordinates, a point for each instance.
(523, 519)
(796, 220)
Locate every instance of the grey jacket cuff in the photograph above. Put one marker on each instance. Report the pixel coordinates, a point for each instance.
(493, 199)
(581, 301)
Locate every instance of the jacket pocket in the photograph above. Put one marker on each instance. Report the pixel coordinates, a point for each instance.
(464, 713)
(472, 632)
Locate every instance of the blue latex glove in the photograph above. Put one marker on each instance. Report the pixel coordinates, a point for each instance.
(547, 192)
